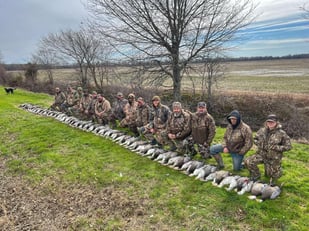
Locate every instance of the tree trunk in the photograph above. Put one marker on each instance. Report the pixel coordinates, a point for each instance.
(176, 83)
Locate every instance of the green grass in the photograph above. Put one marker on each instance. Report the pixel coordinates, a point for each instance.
(41, 148)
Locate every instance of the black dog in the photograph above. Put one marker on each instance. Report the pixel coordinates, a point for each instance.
(9, 90)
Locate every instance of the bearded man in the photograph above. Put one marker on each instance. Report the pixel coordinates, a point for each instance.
(203, 130)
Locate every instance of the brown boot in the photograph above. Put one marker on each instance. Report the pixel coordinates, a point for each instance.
(219, 160)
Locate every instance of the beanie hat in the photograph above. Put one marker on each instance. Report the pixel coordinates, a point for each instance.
(201, 104)
(272, 118)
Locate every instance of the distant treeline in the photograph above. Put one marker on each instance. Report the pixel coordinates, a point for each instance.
(17, 67)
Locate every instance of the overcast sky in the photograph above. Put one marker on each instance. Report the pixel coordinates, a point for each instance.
(280, 29)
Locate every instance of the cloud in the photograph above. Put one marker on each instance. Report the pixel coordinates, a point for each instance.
(276, 9)
(24, 22)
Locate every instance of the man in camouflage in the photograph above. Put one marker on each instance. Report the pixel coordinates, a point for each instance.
(142, 113)
(130, 111)
(59, 99)
(178, 128)
(237, 141)
(102, 110)
(90, 111)
(80, 92)
(117, 109)
(159, 114)
(84, 102)
(72, 100)
(203, 130)
(271, 142)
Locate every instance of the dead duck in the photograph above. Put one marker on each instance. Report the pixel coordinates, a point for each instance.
(194, 165)
(231, 181)
(220, 175)
(185, 166)
(122, 139)
(136, 144)
(178, 161)
(257, 188)
(246, 187)
(203, 172)
(164, 157)
(156, 153)
(142, 149)
(270, 192)
(150, 151)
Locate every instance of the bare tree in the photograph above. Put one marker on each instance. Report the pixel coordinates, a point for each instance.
(170, 33)
(80, 47)
(31, 73)
(47, 58)
(305, 9)
(212, 71)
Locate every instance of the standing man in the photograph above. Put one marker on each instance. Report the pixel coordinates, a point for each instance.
(142, 112)
(117, 109)
(83, 104)
(203, 130)
(90, 111)
(130, 111)
(271, 142)
(237, 141)
(158, 120)
(177, 128)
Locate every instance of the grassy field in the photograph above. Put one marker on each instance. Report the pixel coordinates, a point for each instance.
(270, 76)
(55, 177)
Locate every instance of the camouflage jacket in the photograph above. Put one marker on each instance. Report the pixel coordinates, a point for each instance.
(91, 106)
(142, 115)
(159, 116)
(130, 111)
(203, 128)
(238, 140)
(59, 97)
(84, 102)
(103, 106)
(117, 108)
(72, 98)
(179, 125)
(272, 143)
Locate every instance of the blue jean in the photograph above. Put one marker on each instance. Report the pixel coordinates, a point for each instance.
(237, 158)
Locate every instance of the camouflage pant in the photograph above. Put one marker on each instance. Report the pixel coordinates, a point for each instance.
(272, 167)
(56, 106)
(190, 147)
(178, 145)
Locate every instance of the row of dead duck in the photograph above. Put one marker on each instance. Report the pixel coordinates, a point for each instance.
(194, 168)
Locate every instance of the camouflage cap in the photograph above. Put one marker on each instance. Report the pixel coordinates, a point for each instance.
(131, 95)
(156, 98)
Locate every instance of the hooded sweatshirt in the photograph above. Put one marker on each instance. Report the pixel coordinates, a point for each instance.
(238, 138)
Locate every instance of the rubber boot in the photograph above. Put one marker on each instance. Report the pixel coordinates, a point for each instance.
(219, 160)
